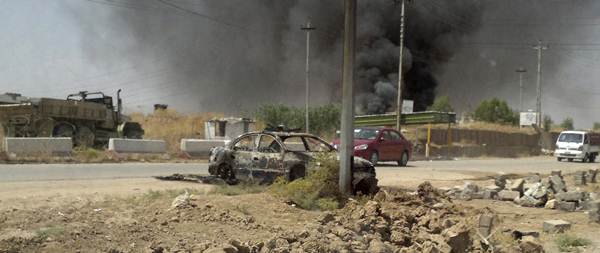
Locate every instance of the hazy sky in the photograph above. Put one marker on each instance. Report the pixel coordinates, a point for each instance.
(52, 48)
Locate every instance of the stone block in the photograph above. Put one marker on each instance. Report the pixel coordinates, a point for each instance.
(569, 196)
(556, 226)
(38, 146)
(508, 195)
(566, 206)
(137, 146)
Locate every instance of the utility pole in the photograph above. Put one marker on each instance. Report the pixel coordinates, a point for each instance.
(399, 102)
(307, 28)
(521, 71)
(347, 128)
(540, 48)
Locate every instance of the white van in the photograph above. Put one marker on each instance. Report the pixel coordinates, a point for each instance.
(580, 145)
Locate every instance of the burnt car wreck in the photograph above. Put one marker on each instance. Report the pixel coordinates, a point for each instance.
(261, 157)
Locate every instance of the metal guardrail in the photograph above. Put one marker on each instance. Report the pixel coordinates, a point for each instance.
(417, 118)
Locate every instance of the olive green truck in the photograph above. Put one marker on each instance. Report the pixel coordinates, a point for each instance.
(90, 118)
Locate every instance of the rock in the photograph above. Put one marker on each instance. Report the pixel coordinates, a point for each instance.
(569, 196)
(223, 249)
(241, 247)
(468, 190)
(508, 195)
(459, 241)
(535, 178)
(377, 246)
(557, 184)
(593, 205)
(594, 215)
(530, 245)
(537, 191)
(326, 218)
(517, 185)
(579, 178)
(592, 176)
(486, 221)
(566, 206)
(493, 188)
(182, 201)
(372, 208)
(551, 204)
(500, 181)
(556, 226)
(528, 201)
(490, 194)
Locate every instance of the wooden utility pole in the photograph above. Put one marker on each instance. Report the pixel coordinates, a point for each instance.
(347, 128)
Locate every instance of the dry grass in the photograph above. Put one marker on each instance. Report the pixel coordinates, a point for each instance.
(172, 126)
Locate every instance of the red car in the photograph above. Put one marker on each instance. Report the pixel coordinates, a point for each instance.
(380, 145)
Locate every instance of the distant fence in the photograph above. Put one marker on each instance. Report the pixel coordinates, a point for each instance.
(475, 143)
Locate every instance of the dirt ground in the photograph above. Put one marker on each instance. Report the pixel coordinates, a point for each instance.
(135, 215)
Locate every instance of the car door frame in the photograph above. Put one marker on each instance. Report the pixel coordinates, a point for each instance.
(399, 146)
(242, 159)
(266, 167)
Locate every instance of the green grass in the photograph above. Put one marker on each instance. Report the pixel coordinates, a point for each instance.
(568, 243)
(317, 191)
(239, 189)
(51, 231)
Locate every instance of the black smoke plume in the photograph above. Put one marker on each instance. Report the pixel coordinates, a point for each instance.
(237, 54)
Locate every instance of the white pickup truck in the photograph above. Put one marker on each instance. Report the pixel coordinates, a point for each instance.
(580, 145)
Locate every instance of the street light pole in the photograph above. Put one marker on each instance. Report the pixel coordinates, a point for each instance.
(307, 28)
(401, 57)
(540, 48)
(347, 121)
(521, 71)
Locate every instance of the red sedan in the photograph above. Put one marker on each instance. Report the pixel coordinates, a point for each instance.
(380, 145)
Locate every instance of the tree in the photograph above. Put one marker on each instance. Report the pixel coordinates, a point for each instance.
(496, 111)
(596, 126)
(567, 124)
(547, 123)
(441, 104)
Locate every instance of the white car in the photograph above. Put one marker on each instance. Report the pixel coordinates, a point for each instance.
(580, 145)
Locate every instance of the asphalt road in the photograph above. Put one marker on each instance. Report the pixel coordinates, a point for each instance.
(419, 170)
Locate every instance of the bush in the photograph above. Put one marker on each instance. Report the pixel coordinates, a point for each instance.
(317, 191)
(496, 111)
(567, 124)
(323, 120)
(547, 123)
(441, 104)
(566, 242)
(596, 126)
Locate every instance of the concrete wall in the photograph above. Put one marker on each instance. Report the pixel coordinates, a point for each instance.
(137, 146)
(197, 147)
(38, 146)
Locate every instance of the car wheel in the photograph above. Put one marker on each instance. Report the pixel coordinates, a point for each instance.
(570, 159)
(297, 172)
(374, 158)
(367, 186)
(226, 173)
(404, 160)
(559, 159)
(593, 159)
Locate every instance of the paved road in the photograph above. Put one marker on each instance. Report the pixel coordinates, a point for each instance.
(421, 170)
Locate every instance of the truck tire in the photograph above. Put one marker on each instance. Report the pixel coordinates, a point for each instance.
(63, 130)
(84, 137)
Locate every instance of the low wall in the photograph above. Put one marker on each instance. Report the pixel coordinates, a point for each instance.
(137, 146)
(38, 146)
(198, 147)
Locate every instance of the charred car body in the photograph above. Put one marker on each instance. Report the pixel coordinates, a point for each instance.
(264, 156)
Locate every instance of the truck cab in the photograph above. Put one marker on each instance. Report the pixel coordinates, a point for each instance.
(580, 145)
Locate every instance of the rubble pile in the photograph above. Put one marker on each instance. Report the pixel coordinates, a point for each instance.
(421, 221)
(534, 191)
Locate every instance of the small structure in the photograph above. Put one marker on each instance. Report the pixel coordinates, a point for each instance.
(227, 128)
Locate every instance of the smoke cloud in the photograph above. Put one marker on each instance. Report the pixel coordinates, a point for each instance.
(238, 54)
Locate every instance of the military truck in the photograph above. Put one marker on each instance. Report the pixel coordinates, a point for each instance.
(90, 118)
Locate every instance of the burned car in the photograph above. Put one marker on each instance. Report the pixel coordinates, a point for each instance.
(263, 156)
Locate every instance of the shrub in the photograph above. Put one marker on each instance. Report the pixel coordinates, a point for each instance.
(567, 124)
(441, 104)
(323, 120)
(318, 190)
(566, 242)
(496, 111)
